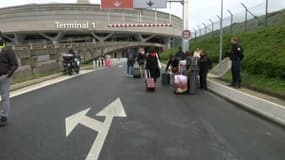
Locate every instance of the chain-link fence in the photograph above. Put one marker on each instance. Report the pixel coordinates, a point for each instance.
(247, 19)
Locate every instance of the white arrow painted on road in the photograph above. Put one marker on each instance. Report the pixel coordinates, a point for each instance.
(115, 109)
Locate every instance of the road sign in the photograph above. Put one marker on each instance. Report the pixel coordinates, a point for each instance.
(186, 34)
(150, 3)
(113, 4)
(115, 109)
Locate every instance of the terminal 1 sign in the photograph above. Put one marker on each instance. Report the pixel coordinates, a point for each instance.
(119, 4)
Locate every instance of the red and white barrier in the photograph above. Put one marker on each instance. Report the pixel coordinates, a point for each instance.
(141, 25)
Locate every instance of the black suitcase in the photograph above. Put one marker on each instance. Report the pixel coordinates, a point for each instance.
(137, 73)
(165, 79)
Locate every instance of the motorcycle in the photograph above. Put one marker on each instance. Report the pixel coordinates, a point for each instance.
(71, 64)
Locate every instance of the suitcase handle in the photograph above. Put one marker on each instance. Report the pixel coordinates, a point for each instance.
(147, 74)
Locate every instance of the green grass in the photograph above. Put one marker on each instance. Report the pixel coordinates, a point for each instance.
(274, 85)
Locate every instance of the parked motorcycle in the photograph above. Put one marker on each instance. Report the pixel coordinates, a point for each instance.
(71, 63)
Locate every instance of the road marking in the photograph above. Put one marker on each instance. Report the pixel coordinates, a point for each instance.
(120, 66)
(115, 109)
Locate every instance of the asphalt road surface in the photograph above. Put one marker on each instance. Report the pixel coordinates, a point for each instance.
(158, 126)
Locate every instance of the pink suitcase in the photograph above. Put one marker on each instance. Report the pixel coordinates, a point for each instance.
(149, 82)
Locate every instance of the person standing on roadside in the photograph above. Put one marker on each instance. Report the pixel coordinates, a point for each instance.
(180, 55)
(131, 54)
(236, 56)
(8, 65)
(203, 69)
(141, 60)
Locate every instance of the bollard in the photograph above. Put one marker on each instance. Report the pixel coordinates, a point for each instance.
(94, 64)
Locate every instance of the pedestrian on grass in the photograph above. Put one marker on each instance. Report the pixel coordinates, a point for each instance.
(8, 65)
(236, 57)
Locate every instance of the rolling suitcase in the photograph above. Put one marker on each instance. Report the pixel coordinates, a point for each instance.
(180, 83)
(165, 79)
(149, 82)
(137, 72)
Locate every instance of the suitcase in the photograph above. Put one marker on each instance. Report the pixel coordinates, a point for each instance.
(180, 83)
(136, 72)
(149, 82)
(165, 79)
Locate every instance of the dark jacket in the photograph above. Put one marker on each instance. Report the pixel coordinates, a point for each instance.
(204, 63)
(141, 58)
(180, 55)
(8, 62)
(152, 65)
(173, 63)
(236, 53)
(131, 55)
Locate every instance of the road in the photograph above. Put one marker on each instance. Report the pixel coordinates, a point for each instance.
(158, 126)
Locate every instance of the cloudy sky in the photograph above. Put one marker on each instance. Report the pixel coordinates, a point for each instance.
(200, 10)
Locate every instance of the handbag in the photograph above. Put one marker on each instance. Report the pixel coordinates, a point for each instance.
(158, 61)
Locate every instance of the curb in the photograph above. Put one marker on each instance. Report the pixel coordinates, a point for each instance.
(264, 108)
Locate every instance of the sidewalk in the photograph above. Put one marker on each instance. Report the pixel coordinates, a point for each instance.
(267, 106)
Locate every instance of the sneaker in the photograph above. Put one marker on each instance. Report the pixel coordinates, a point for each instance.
(3, 121)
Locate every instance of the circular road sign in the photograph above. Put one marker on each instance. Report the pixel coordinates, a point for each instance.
(186, 34)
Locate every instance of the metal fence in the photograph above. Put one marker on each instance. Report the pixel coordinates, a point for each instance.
(247, 19)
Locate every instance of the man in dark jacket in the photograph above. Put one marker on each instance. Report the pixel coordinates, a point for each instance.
(236, 56)
(8, 65)
(180, 55)
(203, 69)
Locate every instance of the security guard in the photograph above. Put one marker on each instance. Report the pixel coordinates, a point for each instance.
(8, 65)
(236, 57)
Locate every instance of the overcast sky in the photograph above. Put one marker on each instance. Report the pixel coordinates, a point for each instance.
(200, 10)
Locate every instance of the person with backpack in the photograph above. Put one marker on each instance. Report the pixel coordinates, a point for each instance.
(141, 60)
(131, 55)
(203, 63)
(236, 57)
(8, 65)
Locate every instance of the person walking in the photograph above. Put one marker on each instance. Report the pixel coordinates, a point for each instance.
(131, 55)
(141, 60)
(203, 69)
(8, 65)
(153, 64)
(236, 57)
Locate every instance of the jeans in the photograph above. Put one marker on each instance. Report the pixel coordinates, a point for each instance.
(130, 69)
(5, 96)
